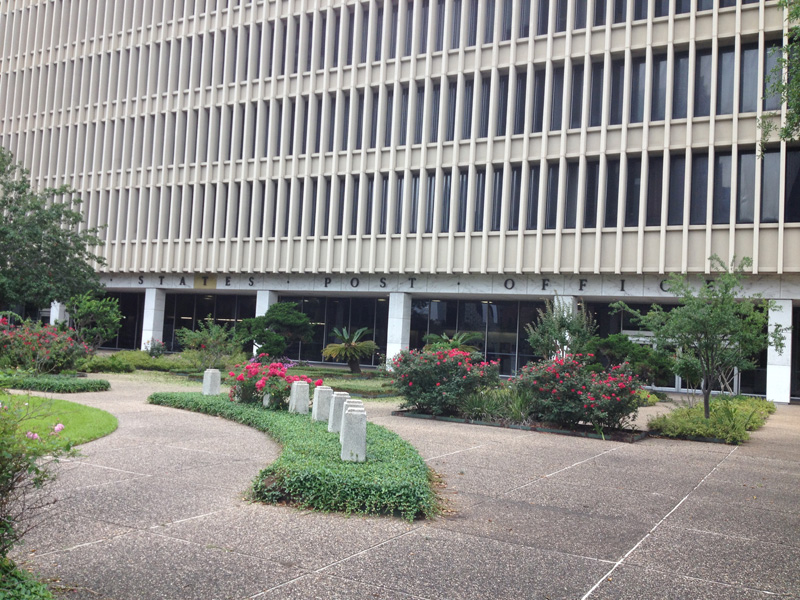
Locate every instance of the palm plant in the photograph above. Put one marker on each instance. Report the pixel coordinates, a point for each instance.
(351, 349)
(460, 341)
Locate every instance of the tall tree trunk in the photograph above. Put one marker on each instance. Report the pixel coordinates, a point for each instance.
(707, 397)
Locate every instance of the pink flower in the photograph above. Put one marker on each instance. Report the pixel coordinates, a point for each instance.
(231, 374)
(58, 427)
(240, 377)
(318, 382)
(32, 436)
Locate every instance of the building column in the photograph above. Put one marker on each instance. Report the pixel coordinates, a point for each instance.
(779, 364)
(399, 324)
(58, 312)
(153, 319)
(265, 299)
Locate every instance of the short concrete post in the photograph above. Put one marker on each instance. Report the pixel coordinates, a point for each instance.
(336, 411)
(348, 404)
(354, 435)
(298, 399)
(321, 408)
(211, 382)
(265, 401)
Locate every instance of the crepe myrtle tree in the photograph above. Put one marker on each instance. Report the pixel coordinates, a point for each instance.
(715, 328)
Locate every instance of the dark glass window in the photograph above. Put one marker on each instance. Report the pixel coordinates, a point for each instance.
(519, 105)
(612, 193)
(571, 198)
(447, 179)
(746, 187)
(772, 54)
(699, 198)
(621, 10)
(662, 8)
(770, 186)
(680, 86)
(590, 203)
(480, 199)
(702, 84)
(502, 106)
(580, 15)
(455, 30)
(617, 90)
(542, 17)
(748, 93)
(633, 192)
(537, 106)
(533, 199)
(596, 100)
(557, 106)
(508, 10)
(551, 208)
(452, 95)
(561, 15)
(659, 91)
(488, 32)
(398, 205)
(354, 214)
(466, 126)
(516, 193)
(640, 10)
(463, 190)
(434, 132)
(497, 198)
(486, 88)
(430, 200)
(791, 208)
(524, 18)
(721, 209)
(599, 13)
(577, 97)
(472, 24)
(725, 70)
(654, 187)
(677, 177)
(638, 66)
(413, 212)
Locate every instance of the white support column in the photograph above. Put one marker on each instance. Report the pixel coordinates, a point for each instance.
(399, 325)
(779, 364)
(265, 299)
(58, 312)
(153, 322)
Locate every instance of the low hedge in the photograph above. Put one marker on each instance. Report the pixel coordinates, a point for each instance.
(105, 364)
(731, 419)
(310, 473)
(56, 384)
(18, 584)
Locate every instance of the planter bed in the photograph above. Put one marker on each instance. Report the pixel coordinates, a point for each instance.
(616, 435)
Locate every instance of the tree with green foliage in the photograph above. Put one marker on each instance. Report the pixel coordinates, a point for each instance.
(352, 348)
(784, 81)
(95, 319)
(272, 332)
(560, 330)
(715, 329)
(45, 253)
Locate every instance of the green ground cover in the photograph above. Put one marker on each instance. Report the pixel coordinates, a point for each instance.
(310, 473)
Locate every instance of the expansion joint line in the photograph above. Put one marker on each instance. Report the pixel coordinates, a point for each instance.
(656, 526)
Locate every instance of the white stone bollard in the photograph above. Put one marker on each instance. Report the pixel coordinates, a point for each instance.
(354, 435)
(298, 398)
(348, 404)
(265, 401)
(336, 411)
(211, 382)
(321, 408)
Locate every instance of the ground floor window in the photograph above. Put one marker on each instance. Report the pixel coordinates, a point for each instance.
(329, 313)
(129, 336)
(185, 310)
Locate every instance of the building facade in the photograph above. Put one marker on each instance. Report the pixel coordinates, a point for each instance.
(412, 166)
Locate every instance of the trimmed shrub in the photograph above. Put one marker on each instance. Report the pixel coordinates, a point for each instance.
(564, 392)
(435, 382)
(731, 419)
(143, 361)
(56, 384)
(105, 364)
(310, 473)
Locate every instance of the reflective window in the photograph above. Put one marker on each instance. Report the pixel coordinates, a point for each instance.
(533, 198)
(770, 186)
(699, 197)
(519, 105)
(725, 60)
(748, 93)
(617, 89)
(571, 198)
(721, 208)
(577, 96)
(702, 84)
(596, 100)
(680, 85)
(551, 207)
(497, 198)
(557, 106)
(677, 176)
(480, 198)
(746, 187)
(654, 188)
(590, 202)
(659, 91)
(516, 193)
(632, 192)
(638, 66)
(612, 193)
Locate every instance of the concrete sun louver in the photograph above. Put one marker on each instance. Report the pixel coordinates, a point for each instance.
(321, 408)
(354, 434)
(211, 379)
(298, 399)
(336, 411)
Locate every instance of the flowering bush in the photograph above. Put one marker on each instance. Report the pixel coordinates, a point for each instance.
(39, 348)
(564, 392)
(256, 379)
(155, 348)
(207, 345)
(434, 382)
(27, 464)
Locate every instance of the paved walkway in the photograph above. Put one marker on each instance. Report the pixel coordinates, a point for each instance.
(155, 510)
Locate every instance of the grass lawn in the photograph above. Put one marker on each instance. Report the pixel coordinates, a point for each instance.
(81, 423)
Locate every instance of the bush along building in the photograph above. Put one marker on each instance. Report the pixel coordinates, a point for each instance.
(413, 167)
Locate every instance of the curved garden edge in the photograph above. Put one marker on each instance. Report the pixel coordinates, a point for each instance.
(309, 473)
